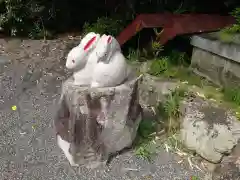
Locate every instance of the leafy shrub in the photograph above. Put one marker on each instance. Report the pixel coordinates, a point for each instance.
(146, 127)
(232, 94)
(236, 27)
(144, 148)
(156, 48)
(133, 55)
(165, 65)
(236, 13)
(170, 109)
(179, 58)
(20, 17)
(36, 17)
(159, 66)
(105, 25)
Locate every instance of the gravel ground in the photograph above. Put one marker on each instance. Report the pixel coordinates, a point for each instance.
(31, 74)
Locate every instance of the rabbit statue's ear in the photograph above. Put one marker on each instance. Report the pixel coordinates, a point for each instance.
(109, 40)
(87, 37)
(114, 44)
(89, 43)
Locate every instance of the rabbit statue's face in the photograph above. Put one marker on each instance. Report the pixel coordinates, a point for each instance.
(105, 48)
(78, 56)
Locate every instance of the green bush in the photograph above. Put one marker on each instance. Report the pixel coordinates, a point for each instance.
(232, 95)
(35, 18)
(165, 65)
(236, 27)
(105, 25)
(159, 66)
(22, 17)
(236, 13)
(179, 58)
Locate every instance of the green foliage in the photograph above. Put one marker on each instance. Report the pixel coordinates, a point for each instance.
(146, 127)
(133, 55)
(150, 53)
(143, 152)
(234, 28)
(104, 25)
(164, 66)
(236, 13)
(159, 66)
(17, 17)
(146, 144)
(35, 18)
(179, 58)
(171, 109)
(156, 48)
(143, 144)
(194, 178)
(226, 35)
(171, 105)
(232, 95)
(185, 74)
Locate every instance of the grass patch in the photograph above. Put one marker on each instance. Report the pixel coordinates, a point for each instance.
(231, 98)
(171, 109)
(159, 66)
(173, 144)
(146, 134)
(145, 54)
(143, 152)
(133, 55)
(148, 141)
(232, 95)
(235, 28)
(174, 66)
(195, 178)
(169, 67)
(227, 34)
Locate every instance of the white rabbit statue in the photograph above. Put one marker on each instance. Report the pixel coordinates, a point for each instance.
(112, 68)
(79, 56)
(75, 58)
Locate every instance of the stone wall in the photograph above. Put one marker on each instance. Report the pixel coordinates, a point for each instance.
(217, 61)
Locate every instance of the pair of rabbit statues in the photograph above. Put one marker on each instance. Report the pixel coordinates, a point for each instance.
(97, 62)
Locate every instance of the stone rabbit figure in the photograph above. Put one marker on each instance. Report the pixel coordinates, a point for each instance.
(97, 62)
(112, 68)
(78, 59)
(75, 59)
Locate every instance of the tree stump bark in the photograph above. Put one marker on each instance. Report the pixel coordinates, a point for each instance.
(98, 122)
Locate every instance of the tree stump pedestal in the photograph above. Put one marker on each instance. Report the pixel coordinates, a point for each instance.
(93, 123)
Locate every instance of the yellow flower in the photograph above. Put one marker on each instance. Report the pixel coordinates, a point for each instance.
(33, 127)
(14, 108)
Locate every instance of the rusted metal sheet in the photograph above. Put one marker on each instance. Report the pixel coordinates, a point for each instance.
(175, 24)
